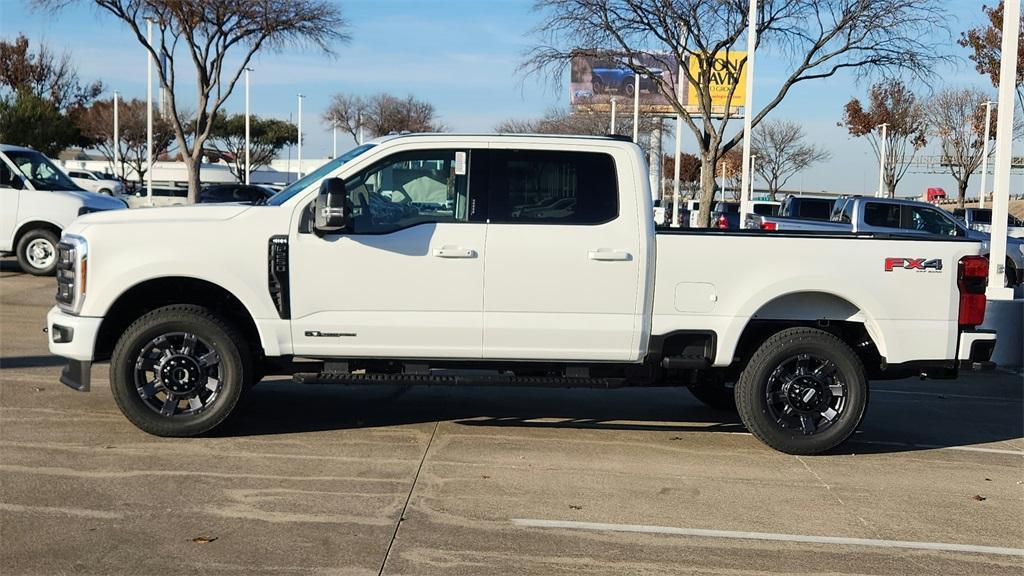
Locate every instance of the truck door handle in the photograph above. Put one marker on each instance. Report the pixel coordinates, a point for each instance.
(609, 255)
(453, 252)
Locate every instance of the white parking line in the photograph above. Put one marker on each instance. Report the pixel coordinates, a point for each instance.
(703, 533)
(944, 395)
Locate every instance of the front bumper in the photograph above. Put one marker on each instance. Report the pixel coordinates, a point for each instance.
(73, 337)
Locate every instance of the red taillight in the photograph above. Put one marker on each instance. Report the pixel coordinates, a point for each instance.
(723, 223)
(971, 279)
(769, 226)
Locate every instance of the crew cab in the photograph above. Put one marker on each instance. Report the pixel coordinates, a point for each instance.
(37, 202)
(909, 218)
(345, 277)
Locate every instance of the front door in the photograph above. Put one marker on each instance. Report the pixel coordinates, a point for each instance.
(564, 259)
(406, 280)
(8, 207)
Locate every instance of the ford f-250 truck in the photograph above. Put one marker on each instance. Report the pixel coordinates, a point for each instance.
(413, 257)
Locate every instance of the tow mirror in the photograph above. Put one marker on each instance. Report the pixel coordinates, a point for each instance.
(331, 211)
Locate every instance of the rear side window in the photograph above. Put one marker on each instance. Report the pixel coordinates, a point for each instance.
(843, 212)
(814, 209)
(548, 187)
(766, 209)
(882, 215)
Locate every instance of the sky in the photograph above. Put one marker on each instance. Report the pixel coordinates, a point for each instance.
(463, 57)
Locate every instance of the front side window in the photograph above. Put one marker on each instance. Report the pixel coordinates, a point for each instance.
(426, 186)
(43, 174)
(548, 187)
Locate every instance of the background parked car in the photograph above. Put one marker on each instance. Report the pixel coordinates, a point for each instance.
(95, 182)
(247, 193)
(727, 214)
(981, 219)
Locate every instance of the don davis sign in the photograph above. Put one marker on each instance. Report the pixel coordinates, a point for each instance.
(728, 75)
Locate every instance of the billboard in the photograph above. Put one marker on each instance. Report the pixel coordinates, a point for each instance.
(726, 77)
(595, 79)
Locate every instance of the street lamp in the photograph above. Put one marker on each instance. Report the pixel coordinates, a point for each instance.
(247, 141)
(149, 109)
(117, 135)
(984, 152)
(881, 161)
(299, 172)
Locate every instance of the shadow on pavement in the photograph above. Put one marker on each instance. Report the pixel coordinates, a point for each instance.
(902, 425)
(32, 361)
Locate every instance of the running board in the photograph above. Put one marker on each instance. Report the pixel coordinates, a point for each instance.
(453, 380)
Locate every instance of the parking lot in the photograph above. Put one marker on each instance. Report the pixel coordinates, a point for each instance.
(325, 480)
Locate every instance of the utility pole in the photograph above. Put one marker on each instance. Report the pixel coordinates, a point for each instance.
(748, 112)
(984, 153)
(882, 162)
(149, 110)
(299, 171)
(248, 143)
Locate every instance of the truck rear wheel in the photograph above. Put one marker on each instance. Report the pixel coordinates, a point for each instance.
(179, 371)
(804, 391)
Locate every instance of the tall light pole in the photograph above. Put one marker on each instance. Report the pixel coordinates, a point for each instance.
(882, 161)
(299, 171)
(984, 153)
(753, 157)
(679, 134)
(613, 117)
(149, 110)
(248, 143)
(117, 135)
(636, 108)
(359, 122)
(334, 139)
(748, 111)
(1004, 151)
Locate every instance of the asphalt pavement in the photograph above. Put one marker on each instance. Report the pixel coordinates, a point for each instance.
(333, 480)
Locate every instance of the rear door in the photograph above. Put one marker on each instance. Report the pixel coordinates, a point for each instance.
(563, 257)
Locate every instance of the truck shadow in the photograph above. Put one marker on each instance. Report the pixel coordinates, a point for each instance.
(897, 424)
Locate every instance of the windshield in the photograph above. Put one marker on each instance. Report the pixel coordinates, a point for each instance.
(316, 175)
(37, 169)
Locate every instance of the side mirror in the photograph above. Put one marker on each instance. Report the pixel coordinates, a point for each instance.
(331, 211)
(17, 182)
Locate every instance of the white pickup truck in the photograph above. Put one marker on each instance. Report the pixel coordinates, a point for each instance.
(412, 258)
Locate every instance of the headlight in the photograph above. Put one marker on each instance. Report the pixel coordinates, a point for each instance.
(72, 272)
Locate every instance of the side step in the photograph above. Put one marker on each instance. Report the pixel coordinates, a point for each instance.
(346, 379)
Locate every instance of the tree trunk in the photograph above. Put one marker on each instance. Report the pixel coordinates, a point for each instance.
(707, 190)
(961, 197)
(192, 167)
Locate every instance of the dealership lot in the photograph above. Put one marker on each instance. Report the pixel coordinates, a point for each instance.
(450, 481)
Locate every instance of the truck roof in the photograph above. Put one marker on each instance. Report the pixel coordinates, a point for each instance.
(492, 136)
(13, 148)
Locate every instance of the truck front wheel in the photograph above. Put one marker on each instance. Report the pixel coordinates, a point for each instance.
(179, 371)
(804, 391)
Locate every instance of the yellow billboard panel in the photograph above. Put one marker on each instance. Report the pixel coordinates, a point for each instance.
(725, 75)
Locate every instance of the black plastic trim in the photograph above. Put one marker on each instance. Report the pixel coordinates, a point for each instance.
(76, 375)
(278, 283)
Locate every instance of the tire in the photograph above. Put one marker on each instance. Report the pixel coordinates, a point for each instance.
(37, 252)
(105, 192)
(628, 88)
(714, 392)
(804, 391)
(597, 85)
(157, 343)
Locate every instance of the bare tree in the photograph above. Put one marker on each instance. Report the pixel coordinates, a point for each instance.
(381, 114)
(581, 122)
(214, 36)
(781, 152)
(957, 119)
(893, 103)
(820, 38)
(97, 124)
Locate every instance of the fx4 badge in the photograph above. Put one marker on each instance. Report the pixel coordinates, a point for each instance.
(934, 264)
